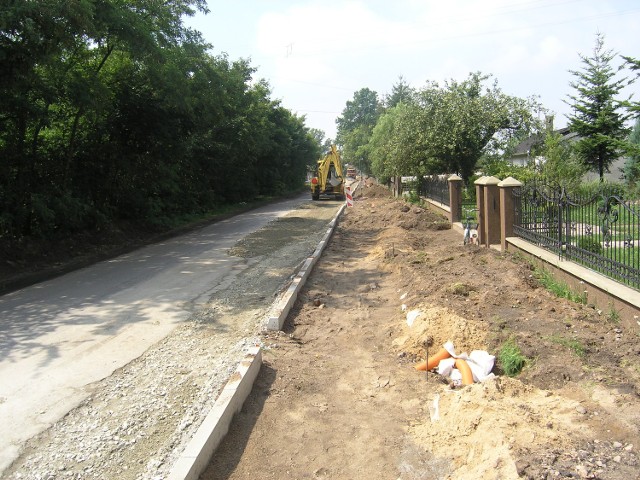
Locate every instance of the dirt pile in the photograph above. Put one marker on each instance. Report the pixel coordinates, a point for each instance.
(338, 396)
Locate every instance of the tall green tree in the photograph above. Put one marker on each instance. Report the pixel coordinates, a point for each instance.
(113, 110)
(451, 127)
(401, 91)
(599, 116)
(631, 167)
(355, 127)
(392, 144)
(561, 165)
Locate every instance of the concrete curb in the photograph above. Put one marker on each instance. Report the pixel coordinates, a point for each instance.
(196, 456)
(288, 299)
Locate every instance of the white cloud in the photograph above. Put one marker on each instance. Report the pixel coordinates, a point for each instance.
(316, 54)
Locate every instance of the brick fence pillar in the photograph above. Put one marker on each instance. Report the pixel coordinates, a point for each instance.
(455, 198)
(489, 228)
(507, 210)
(479, 183)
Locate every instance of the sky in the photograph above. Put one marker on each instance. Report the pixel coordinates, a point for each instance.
(315, 54)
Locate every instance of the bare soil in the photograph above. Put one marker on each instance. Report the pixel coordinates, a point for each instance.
(338, 395)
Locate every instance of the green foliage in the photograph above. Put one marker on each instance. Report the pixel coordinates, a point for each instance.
(413, 197)
(401, 92)
(558, 288)
(501, 168)
(561, 166)
(511, 359)
(605, 188)
(599, 118)
(355, 127)
(449, 128)
(590, 244)
(631, 169)
(384, 142)
(115, 110)
(613, 315)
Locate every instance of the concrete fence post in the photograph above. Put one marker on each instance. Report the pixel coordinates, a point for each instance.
(507, 210)
(455, 198)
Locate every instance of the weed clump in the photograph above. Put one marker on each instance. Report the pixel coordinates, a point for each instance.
(511, 359)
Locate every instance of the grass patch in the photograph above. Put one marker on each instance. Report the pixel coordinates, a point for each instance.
(613, 315)
(461, 289)
(558, 288)
(572, 344)
(511, 359)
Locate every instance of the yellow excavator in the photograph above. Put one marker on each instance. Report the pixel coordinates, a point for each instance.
(329, 179)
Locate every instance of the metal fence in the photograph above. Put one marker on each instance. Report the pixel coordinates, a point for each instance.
(599, 231)
(435, 187)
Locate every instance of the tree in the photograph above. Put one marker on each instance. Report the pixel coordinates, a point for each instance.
(457, 124)
(355, 126)
(631, 167)
(389, 155)
(598, 117)
(560, 165)
(634, 65)
(113, 110)
(400, 92)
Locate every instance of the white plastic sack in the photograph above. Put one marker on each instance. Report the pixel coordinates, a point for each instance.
(479, 361)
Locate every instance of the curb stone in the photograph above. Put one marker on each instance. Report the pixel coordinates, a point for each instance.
(285, 303)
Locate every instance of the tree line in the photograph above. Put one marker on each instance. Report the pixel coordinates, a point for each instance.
(116, 111)
(471, 125)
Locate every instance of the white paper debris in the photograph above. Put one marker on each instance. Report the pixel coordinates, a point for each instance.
(411, 317)
(434, 409)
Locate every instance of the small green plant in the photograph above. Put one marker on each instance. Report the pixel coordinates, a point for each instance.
(558, 288)
(511, 359)
(413, 197)
(613, 315)
(590, 244)
(571, 343)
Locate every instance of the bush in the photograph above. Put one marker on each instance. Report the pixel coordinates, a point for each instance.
(413, 197)
(590, 244)
(595, 187)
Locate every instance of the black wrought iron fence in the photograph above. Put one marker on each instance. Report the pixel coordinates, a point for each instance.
(599, 231)
(435, 187)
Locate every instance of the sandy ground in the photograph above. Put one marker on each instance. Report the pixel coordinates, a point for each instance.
(338, 396)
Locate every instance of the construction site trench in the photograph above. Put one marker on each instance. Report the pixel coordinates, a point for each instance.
(338, 396)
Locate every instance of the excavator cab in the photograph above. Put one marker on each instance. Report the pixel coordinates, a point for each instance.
(329, 179)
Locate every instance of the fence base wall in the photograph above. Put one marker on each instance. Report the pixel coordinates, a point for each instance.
(602, 293)
(437, 207)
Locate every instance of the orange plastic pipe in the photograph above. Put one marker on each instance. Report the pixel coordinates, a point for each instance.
(465, 370)
(433, 361)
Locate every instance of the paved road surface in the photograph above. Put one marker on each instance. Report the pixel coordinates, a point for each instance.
(61, 335)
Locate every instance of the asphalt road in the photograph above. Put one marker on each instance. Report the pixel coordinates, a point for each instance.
(60, 336)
